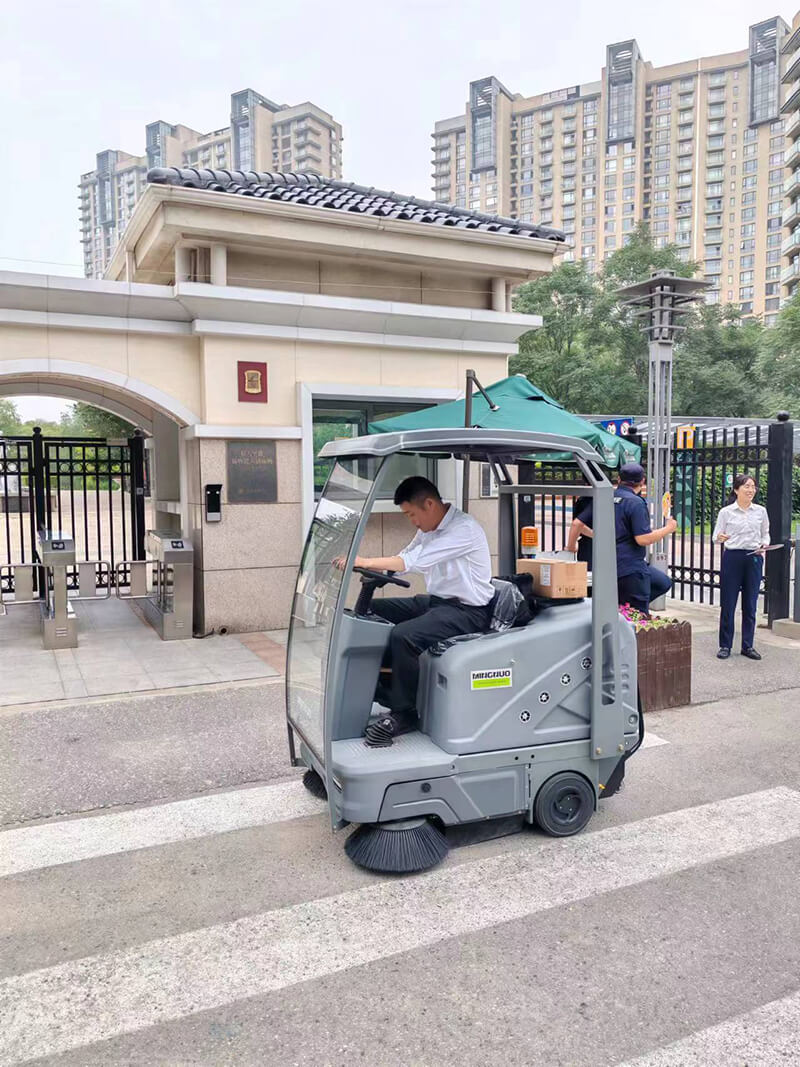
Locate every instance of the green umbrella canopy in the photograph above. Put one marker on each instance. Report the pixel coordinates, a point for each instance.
(521, 406)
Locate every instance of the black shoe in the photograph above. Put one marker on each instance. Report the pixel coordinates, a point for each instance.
(751, 653)
(723, 653)
(380, 733)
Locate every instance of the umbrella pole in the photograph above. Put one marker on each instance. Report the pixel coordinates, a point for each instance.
(467, 424)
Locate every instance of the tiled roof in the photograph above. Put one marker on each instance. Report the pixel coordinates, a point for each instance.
(310, 190)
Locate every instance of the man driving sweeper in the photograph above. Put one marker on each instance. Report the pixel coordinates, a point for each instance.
(451, 552)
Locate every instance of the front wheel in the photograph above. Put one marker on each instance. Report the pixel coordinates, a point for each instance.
(564, 804)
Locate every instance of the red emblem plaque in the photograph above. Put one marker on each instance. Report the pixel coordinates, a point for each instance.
(252, 382)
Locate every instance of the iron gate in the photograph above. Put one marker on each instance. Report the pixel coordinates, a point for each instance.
(91, 489)
(701, 479)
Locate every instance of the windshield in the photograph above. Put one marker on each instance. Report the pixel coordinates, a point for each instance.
(319, 584)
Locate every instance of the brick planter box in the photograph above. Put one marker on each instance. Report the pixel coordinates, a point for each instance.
(665, 666)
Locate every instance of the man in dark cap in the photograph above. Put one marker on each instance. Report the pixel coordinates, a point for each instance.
(637, 582)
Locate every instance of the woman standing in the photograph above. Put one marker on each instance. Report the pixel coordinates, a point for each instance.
(743, 528)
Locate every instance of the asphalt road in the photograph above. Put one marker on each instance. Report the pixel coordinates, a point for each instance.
(200, 911)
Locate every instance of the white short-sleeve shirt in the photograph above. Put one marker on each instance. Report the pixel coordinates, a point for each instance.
(453, 559)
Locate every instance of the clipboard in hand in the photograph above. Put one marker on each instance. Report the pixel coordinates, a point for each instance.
(769, 548)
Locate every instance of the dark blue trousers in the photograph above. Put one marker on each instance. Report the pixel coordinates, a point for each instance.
(641, 588)
(740, 573)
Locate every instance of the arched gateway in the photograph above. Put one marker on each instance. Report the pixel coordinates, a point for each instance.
(244, 319)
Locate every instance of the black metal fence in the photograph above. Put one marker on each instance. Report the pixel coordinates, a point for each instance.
(90, 489)
(703, 468)
(701, 481)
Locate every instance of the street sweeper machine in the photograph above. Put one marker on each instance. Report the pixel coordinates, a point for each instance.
(524, 724)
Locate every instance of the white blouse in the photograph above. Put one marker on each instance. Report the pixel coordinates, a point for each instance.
(747, 528)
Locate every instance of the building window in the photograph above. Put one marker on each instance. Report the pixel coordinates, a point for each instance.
(763, 72)
(334, 419)
(482, 146)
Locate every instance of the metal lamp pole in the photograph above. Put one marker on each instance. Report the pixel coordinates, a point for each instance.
(659, 302)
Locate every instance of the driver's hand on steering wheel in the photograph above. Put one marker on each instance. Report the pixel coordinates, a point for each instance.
(341, 561)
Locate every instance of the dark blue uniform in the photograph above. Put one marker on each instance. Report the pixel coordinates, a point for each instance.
(582, 510)
(637, 582)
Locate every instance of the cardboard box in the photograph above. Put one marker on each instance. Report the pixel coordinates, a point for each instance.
(555, 578)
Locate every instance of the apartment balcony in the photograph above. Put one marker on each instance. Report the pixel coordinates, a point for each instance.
(791, 187)
(792, 68)
(791, 273)
(792, 125)
(792, 100)
(792, 156)
(791, 245)
(791, 43)
(791, 215)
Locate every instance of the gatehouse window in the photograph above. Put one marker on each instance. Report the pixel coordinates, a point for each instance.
(336, 419)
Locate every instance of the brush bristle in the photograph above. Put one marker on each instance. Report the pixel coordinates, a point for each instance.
(315, 785)
(399, 848)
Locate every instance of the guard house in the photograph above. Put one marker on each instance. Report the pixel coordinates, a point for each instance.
(245, 319)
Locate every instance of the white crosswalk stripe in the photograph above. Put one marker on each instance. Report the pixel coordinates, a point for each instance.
(766, 1037)
(48, 1011)
(66, 841)
(653, 741)
(32, 848)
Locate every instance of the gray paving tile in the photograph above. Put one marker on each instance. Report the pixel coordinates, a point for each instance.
(236, 673)
(119, 684)
(74, 688)
(174, 679)
(32, 694)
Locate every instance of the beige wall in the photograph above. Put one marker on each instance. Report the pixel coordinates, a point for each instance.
(245, 565)
(290, 362)
(168, 364)
(365, 280)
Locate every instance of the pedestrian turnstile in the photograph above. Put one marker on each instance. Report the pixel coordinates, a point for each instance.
(56, 553)
(169, 604)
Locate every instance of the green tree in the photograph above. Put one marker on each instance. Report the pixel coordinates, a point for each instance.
(85, 420)
(9, 417)
(717, 369)
(590, 353)
(615, 327)
(554, 357)
(779, 361)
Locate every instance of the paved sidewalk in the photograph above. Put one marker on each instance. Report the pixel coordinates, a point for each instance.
(714, 679)
(119, 652)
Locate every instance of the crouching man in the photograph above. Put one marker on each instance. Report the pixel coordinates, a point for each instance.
(451, 552)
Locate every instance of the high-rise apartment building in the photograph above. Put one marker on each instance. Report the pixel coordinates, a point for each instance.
(695, 148)
(262, 136)
(790, 276)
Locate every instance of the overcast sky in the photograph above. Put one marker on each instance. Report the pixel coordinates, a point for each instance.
(76, 78)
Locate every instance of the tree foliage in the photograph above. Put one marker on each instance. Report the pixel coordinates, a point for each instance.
(591, 354)
(80, 420)
(85, 420)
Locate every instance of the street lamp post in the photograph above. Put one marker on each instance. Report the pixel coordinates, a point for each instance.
(659, 302)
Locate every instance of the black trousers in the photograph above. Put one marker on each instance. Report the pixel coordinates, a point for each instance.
(740, 573)
(421, 621)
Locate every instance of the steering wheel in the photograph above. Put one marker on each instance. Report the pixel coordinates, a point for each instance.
(382, 578)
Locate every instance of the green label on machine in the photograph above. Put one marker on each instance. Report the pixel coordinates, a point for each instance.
(499, 679)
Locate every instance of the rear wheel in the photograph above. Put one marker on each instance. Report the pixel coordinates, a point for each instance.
(564, 804)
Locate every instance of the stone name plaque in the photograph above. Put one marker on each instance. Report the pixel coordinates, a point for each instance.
(252, 472)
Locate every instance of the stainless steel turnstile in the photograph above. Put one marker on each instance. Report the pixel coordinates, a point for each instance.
(56, 553)
(164, 584)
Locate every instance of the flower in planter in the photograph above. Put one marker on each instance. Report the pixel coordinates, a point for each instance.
(640, 621)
